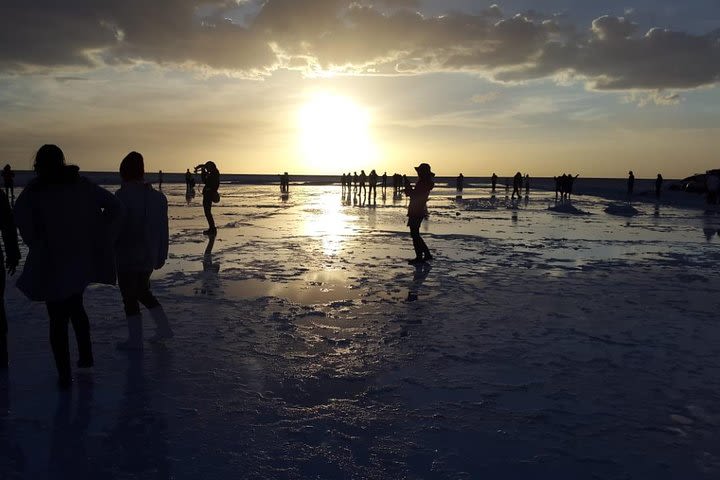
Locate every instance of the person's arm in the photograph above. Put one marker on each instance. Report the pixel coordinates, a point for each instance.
(9, 235)
(113, 210)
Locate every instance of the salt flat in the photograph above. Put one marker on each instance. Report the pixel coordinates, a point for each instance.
(541, 343)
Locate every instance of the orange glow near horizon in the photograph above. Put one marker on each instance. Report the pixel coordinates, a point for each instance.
(335, 134)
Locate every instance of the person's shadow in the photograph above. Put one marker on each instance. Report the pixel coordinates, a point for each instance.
(138, 441)
(68, 442)
(422, 270)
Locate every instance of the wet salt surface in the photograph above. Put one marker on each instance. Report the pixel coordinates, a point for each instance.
(538, 344)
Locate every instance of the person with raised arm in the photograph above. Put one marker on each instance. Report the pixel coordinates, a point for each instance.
(417, 210)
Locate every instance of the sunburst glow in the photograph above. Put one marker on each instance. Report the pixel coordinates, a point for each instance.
(335, 134)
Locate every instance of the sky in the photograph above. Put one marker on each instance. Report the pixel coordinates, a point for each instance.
(328, 86)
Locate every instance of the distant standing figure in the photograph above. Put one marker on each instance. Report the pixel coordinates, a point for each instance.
(460, 183)
(142, 246)
(658, 185)
(517, 185)
(417, 210)
(67, 222)
(384, 183)
(363, 179)
(160, 179)
(527, 184)
(355, 181)
(372, 180)
(286, 182)
(9, 260)
(9, 181)
(210, 194)
(494, 180)
(630, 183)
(712, 183)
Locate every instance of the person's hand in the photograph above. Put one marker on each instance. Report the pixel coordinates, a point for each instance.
(12, 266)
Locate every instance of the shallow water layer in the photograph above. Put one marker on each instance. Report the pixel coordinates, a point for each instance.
(538, 344)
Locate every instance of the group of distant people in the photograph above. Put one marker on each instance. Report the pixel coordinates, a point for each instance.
(364, 185)
(284, 183)
(78, 233)
(564, 186)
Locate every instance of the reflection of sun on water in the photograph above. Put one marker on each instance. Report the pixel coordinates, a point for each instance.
(329, 223)
(335, 134)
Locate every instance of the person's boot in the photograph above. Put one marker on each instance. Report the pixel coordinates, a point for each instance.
(135, 336)
(162, 326)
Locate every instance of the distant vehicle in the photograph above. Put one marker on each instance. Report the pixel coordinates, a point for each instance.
(695, 183)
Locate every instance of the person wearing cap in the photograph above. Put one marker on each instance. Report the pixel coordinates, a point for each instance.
(417, 210)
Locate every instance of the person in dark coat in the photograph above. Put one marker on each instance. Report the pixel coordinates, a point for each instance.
(417, 210)
(630, 183)
(9, 181)
(68, 224)
(460, 183)
(210, 194)
(142, 246)
(9, 260)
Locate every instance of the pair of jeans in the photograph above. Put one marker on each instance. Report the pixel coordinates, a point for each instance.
(135, 289)
(62, 312)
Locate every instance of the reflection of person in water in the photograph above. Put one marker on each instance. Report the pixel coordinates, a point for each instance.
(138, 441)
(68, 442)
(421, 272)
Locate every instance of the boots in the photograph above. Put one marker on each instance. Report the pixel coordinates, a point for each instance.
(162, 326)
(135, 334)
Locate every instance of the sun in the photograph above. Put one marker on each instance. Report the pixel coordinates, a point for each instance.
(335, 134)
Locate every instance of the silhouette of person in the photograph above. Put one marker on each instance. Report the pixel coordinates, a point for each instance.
(362, 188)
(570, 180)
(460, 183)
(355, 181)
(417, 210)
(342, 183)
(67, 222)
(9, 181)
(210, 193)
(494, 180)
(384, 183)
(11, 260)
(658, 185)
(160, 179)
(189, 183)
(286, 181)
(527, 184)
(372, 181)
(142, 246)
(630, 183)
(558, 186)
(517, 185)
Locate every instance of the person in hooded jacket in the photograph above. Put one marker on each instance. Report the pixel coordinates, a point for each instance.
(417, 210)
(68, 224)
(142, 246)
(11, 259)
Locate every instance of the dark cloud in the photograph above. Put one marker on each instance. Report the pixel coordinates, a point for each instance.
(386, 36)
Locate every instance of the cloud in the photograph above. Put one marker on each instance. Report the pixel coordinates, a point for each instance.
(659, 98)
(382, 37)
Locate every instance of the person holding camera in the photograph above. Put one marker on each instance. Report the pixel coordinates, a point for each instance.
(211, 178)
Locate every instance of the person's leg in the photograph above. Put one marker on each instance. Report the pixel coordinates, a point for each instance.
(81, 326)
(128, 283)
(415, 235)
(207, 207)
(59, 316)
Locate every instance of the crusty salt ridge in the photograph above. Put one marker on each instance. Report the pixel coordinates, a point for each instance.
(539, 345)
